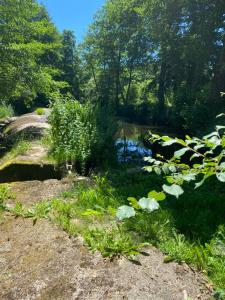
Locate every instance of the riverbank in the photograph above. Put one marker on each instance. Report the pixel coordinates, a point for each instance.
(80, 213)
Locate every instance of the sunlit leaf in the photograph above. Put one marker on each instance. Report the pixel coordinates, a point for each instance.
(133, 201)
(169, 142)
(188, 177)
(219, 127)
(180, 152)
(206, 137)
(159, 196)
(149, 204)
(221, 176)
(220, 115)
(174, 190)
(157, 170)
(195, 155)
(125, 212)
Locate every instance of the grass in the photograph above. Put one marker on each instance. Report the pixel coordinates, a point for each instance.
(5, 195)
(6, 111)
(190, 229)
(20, 147)
(112, 242)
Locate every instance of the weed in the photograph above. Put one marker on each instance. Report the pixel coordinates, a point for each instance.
(21, 147)
(6, 110)
(18, 210)
(112, 242)
(4, 194)
(39, 211)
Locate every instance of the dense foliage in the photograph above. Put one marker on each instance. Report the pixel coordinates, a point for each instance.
(159, 61)
(32, 51)
(81, 133)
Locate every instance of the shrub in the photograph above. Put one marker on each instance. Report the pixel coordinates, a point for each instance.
(80, 133)
(6, 110)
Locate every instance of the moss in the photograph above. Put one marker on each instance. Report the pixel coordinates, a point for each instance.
(40, 111)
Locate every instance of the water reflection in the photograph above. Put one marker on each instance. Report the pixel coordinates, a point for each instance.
(130, 150)
(130, 137)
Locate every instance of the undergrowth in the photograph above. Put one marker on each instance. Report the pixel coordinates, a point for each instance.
(6, 111)
(189, 230)
(20, 147)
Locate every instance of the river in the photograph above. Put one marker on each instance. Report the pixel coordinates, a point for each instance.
(129, 141)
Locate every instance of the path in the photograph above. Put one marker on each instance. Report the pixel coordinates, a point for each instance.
(41, 262)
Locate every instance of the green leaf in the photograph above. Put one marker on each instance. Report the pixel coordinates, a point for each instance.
(174, 190)
(148, 169)
(91, 212)
(223, 141)
(157, 171)
(125, 212)
(195, 155)
(180, 141)
(168, 259)
(213, 142)
(222, 166)
(197, 185)
(221, 115)
(219, 127)
(169, 142)
(165, 169)
(133, 201)
(212, 134)
(221, 176)
(159, 196)
(172, 168)
(149, 204)
(170, 179)
(180, 152)
(188, 177)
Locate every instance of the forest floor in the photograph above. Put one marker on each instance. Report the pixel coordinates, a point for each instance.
(41, 261)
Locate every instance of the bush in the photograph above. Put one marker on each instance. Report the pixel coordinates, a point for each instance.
(81, 133)
(6, 111)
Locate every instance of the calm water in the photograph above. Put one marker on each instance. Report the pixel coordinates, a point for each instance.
(129, 143)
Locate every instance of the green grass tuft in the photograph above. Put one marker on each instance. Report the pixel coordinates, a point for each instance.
(20, 148)
(6, 111)
(40, 111)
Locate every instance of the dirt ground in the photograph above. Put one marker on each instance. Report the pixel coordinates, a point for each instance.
(42, 262)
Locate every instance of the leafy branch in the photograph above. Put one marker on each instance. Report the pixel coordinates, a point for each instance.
(206, 158)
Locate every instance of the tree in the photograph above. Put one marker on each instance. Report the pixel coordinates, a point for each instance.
(115, 48)
(175, 47)
(29, 50)
(70, 64)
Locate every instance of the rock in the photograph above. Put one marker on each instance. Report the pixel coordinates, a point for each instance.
(29, 125)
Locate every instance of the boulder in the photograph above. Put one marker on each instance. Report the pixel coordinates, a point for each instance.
(29, 125)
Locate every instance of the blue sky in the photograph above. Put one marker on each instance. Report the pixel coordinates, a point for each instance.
(75, 15)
